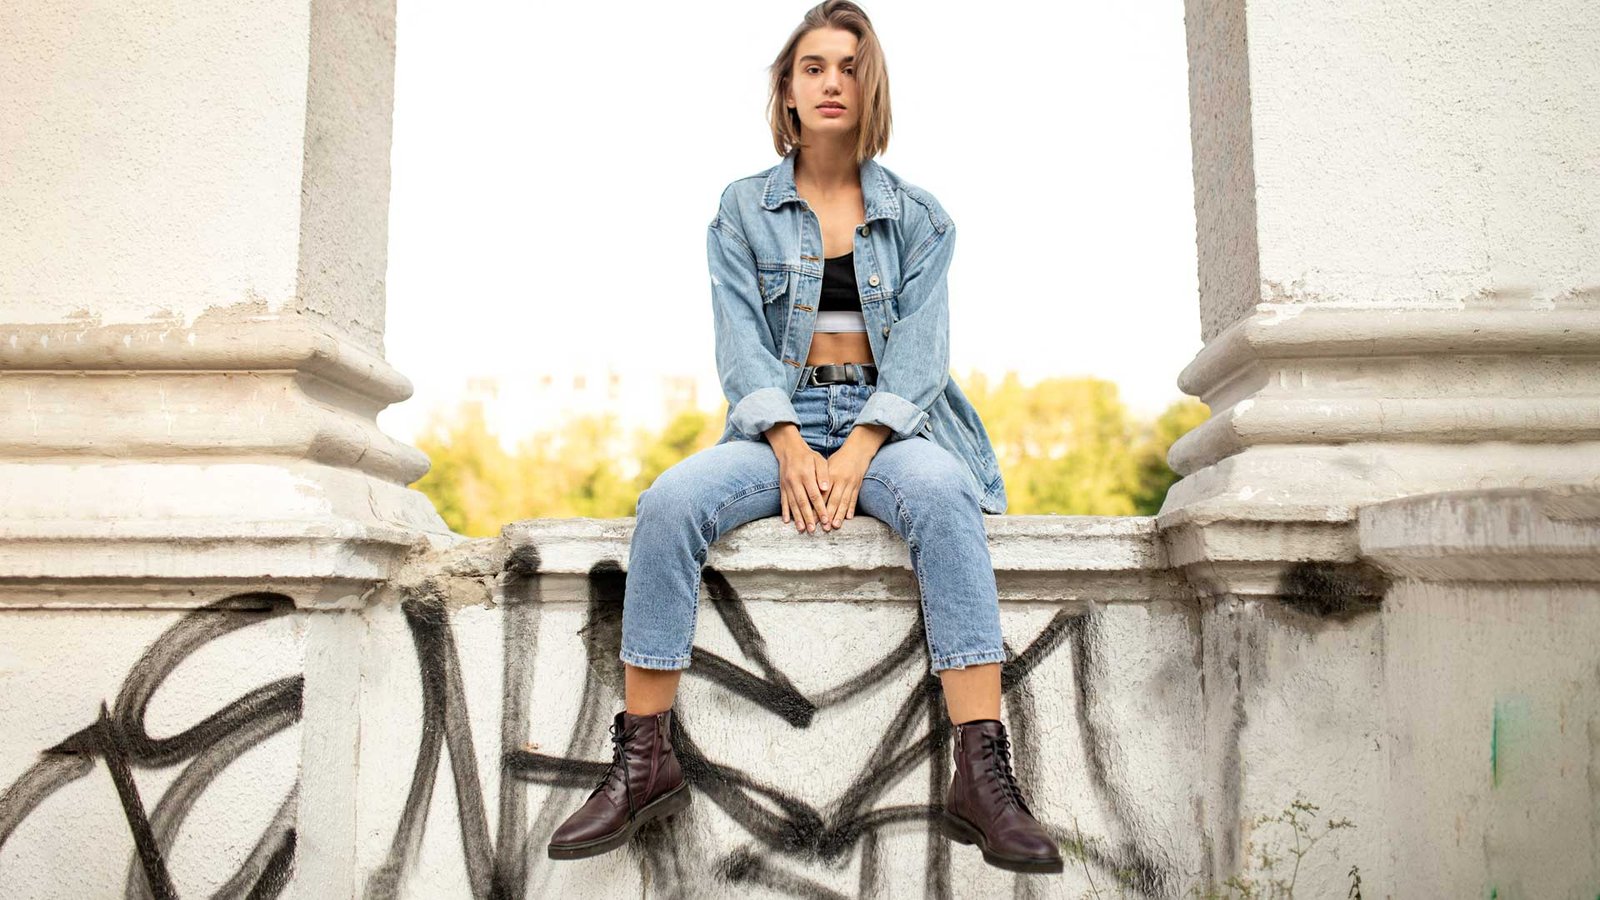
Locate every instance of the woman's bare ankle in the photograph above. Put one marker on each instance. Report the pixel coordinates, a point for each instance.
(649, 691)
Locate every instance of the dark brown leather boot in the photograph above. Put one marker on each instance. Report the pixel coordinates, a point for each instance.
(984, 806)
(644, 782)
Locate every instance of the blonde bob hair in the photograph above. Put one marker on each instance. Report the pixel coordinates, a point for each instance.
(872, 136)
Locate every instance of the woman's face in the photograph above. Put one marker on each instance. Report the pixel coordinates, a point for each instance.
(822, 85)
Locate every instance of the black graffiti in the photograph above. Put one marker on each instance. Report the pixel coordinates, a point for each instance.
(779, 825)
(120, 739)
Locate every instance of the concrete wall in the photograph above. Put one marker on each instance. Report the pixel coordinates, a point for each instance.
(438, 735)
(428, 743)
(812, 730)
(1493, 720)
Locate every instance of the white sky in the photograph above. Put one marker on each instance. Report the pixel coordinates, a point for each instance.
(555, 167)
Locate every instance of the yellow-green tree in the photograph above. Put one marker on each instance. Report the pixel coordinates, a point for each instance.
(574, 470)
(687, 433)
(1065, 445)
(1154, 476)
(474, 483)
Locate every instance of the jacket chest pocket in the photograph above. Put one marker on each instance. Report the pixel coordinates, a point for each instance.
(774, 284)
(775, 306)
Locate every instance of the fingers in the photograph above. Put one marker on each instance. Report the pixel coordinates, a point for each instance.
(810, 496)
(825, 489)
(799, 507)
(818, 505)
(800, 504)
(845, 506)
(835, 507)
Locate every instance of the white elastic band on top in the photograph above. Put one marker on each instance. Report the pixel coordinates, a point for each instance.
(840, 320)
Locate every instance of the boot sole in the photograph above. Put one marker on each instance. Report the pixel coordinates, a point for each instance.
(962, 832)
(672, 801)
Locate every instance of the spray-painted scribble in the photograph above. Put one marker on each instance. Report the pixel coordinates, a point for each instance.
(789, 841)
(120, 740)
(781, 827)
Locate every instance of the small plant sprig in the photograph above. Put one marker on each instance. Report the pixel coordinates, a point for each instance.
(1082, 850)
(1274, 856)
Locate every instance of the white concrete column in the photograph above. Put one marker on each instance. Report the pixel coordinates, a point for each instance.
(193, 213)
(1398, 214)
(193, 231)
(1399, 237)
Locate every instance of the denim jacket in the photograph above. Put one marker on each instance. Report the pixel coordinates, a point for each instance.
(764, 247)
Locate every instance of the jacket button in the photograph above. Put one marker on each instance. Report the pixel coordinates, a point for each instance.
(885, 331)
(864, 230)
(873, 281)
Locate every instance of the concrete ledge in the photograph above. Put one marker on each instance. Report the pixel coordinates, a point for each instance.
(333, 533)
(235, 451)
(1036, 558)
(1300, 331)
(196, 417)
(1506, 535)
(244, 337)
(1322, 421)
(1301, 375)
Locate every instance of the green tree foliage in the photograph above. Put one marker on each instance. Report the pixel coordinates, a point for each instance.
(1066, 446)
(1150, 456)
(688, 432)
(1069, 445)
(474, 483)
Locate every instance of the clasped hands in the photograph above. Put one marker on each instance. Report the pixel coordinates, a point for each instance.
(817, 489)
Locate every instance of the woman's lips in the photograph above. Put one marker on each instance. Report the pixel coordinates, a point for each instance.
(831, 112)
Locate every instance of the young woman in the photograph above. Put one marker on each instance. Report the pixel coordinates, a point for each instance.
(832, 344)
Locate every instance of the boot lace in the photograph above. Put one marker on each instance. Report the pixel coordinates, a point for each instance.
(620, 738)
(999, 752)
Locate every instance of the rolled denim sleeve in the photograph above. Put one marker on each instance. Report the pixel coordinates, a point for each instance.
(753, 378)
(916, 357)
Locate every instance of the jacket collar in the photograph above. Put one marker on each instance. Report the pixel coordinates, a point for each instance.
(877, 191)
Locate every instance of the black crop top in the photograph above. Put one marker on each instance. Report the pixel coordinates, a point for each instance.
(839, 284)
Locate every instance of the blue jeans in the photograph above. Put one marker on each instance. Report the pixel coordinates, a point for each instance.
(915, 486)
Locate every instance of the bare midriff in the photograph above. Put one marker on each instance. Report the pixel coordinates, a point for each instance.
(834, 347)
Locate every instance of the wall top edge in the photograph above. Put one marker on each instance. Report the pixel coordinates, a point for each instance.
(1129, 527)
(1504, 534)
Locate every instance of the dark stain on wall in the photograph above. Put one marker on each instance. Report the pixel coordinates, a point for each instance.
(1336, 591)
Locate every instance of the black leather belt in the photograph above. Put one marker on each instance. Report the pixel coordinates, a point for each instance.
(844, 373)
